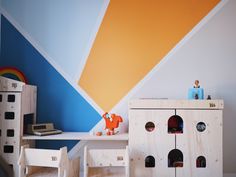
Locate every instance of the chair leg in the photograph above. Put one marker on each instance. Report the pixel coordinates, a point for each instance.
(127, 171)
(85, 171)
(61, 172)
(21, 172)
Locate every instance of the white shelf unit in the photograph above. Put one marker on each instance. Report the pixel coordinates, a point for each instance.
(78, 136)
(17, 106)
(185, 151)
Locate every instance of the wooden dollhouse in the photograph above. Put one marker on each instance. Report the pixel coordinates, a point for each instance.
(175, 138)
(17, 108)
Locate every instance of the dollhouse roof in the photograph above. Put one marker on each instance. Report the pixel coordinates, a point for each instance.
(7, 84)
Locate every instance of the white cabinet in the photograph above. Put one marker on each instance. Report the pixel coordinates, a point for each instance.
(175, 138)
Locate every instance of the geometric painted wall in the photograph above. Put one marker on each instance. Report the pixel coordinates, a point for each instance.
(139, 51)
(57, 100)
(134, 37)
(64, 31)
(58, 37)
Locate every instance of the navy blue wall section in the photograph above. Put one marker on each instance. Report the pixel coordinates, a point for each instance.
(58, 101)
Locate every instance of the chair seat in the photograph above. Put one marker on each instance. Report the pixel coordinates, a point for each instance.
(106, 172)
(106, 162)
(45, 172)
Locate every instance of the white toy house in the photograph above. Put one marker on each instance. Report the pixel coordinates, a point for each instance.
(175, 138)
(17, 108)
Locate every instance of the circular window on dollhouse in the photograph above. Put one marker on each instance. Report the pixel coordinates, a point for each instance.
(201, 126)
(175, 124)
(150, 126)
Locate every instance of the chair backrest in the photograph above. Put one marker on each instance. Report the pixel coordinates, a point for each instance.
(43, 157)
(106, 157)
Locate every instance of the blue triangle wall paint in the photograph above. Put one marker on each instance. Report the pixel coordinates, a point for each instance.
(57, 100)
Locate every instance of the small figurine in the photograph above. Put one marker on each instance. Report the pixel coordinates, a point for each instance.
(99, 134)
(112, 122)
(209, 97)
(196, 84)
(196, 93)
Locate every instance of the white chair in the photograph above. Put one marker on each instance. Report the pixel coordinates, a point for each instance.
(96, 158)
(53, 163)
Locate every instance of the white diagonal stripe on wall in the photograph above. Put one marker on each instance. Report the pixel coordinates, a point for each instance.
(91, 40)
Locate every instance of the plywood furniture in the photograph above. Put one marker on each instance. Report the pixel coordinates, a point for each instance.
(78, 136)
(104, 139)
(175, 138)
(43, 158)
(102, 158)
(57, 161)
(17, 107)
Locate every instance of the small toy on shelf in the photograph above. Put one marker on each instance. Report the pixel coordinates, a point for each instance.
(196, 84)
(98, 133)
(112, 122)
(209, 97)
(196, 92)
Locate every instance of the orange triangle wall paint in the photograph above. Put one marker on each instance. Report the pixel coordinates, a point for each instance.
(134, 37)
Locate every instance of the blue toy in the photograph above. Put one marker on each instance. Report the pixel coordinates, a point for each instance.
(196, 92)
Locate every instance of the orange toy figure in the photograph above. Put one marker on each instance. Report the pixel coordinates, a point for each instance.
(111, 122)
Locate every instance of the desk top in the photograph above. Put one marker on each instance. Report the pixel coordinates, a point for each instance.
(78, 136)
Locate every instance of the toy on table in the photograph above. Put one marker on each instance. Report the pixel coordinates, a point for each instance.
(196, 92)
(99, 134)
(112, 122)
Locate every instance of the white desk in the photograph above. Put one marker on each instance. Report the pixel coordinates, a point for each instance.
(78, 136)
